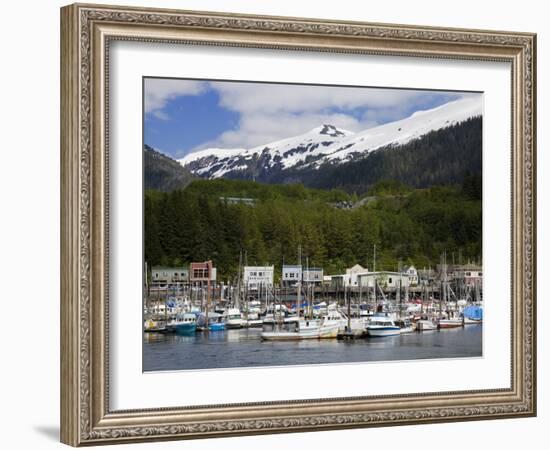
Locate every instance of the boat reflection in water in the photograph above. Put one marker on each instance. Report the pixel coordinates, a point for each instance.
(245, 347)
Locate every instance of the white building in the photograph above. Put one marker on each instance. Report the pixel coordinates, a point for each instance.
(351, 278)
(161, 274)
(412, 273)
(292, 274)
(312, 275)
(256, 276)
(384, 279)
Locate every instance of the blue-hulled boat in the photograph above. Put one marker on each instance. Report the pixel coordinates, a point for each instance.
(215, 322)
(186, 324)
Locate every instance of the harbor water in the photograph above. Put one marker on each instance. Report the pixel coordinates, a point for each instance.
(244, 348)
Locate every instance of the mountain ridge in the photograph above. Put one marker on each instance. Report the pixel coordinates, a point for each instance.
(327, 144)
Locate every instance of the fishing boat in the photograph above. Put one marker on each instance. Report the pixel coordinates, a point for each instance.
(151, 325)
(450, 323)
(185, 324)
(425, 325)
(470, 321)
(295, 329)
(215, 322)
(254, 323)
(381, 326)
(405, 326)
(233, 318)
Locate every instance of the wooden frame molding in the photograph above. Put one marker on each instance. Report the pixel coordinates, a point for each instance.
(86, 32)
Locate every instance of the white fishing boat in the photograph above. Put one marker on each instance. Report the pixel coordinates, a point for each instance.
(297, 328)
(425, 325)
(470, 321)
(151, 325)
(381, 326)
(233, 318)
(291, 329)
(254, 323)
(450, 323)
(405, 326)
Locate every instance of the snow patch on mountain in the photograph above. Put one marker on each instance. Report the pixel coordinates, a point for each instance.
(402, 131)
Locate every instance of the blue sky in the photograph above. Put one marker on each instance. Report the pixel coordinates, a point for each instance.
(182, 116)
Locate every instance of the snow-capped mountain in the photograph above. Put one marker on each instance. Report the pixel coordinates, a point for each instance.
(283, 154)
(326, 144)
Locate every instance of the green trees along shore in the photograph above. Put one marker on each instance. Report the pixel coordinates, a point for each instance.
(214, 219)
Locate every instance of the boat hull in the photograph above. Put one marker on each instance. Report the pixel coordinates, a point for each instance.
(322, 332)
(216, 326)
(468, 321)
(383, 331)
(425, 326)
(406, 330)
(450, 324)
(185, 328)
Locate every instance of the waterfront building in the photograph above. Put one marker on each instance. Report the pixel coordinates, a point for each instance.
(353, 274)
(255, 277)
(169, 275)
(426, 276)
(198, 272)
(385, 279)
(313, 275)
(350, 278)
(469, 275)
(412, 273)
(292, 273)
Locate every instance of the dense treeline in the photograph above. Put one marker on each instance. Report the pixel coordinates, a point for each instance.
(415, 226)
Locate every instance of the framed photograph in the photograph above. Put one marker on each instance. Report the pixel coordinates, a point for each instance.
(279, 224)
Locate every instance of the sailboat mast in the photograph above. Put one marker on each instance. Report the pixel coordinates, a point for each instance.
(237, 300)
(308, 298)
(208, 274)
(299, 284)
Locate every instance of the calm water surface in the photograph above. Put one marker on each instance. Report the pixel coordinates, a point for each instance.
(243, 348)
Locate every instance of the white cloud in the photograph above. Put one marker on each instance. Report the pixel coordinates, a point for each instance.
(263, 128)
(250, 98)
(270, 112)
(159, 91)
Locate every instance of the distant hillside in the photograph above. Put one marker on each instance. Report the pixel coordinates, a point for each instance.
(163, 173)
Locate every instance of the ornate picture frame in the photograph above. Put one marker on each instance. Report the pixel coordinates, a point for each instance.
(86, 34)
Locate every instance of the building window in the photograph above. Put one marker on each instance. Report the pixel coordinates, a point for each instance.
(200, 273)
(389, 280)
